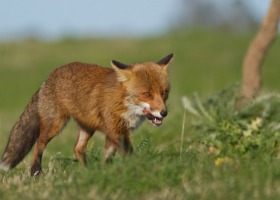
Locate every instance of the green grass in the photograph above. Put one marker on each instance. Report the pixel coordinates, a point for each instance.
(218, 160)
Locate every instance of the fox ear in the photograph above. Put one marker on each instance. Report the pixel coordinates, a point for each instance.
(121, 70)
(166, 60)
(117, 64)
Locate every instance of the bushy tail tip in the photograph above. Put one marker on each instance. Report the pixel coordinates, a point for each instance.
(23, 136)
(4, 167)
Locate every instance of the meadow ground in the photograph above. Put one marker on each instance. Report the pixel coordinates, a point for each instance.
(225, 153)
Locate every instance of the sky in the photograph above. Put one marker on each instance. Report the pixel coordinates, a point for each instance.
(257, 8)
(57, 18)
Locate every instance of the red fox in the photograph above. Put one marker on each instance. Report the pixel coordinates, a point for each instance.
(113, 101)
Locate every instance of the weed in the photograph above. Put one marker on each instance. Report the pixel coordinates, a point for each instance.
(228, 133)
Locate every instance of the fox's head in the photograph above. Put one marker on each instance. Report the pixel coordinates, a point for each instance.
(147, 88)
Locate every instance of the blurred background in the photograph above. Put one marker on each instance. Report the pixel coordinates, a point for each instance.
(209, 38)
(52, 19)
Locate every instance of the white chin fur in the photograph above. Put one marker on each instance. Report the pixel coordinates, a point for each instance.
(134, 115)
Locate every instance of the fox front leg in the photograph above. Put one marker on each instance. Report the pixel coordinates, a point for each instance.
(81, 144)
(110, 149)
(127, 146)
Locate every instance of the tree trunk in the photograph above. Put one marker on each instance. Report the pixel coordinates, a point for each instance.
(258, 48)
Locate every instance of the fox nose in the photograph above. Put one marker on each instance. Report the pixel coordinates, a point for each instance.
(163, 113)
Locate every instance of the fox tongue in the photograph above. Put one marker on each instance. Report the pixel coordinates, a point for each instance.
(157, 121)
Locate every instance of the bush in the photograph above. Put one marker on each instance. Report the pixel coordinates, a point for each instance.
(229, 133)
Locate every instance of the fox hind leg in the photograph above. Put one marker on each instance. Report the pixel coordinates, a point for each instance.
(81, 144)
(48, 130)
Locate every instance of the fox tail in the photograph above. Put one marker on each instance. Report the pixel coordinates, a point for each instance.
(23, 136)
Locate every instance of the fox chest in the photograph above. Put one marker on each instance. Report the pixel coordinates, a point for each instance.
(133, 120)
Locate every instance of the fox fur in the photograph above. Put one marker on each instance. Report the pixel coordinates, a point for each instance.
(113, 101)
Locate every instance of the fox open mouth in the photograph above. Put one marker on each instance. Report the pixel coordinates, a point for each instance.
(155, 120)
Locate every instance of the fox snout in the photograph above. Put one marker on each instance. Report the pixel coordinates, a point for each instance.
(160, 114)
(163, 113)
(155, 117)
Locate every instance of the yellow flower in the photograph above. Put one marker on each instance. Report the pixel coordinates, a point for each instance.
(222, 161)
(256, 124)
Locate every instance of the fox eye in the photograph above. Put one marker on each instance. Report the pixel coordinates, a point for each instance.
(147, 94)
(165, 93)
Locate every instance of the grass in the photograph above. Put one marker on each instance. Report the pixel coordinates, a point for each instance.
(226, 153)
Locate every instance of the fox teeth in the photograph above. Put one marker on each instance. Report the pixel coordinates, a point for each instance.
(157, 121)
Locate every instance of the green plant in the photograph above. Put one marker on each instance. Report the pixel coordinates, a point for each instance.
(227, 132)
